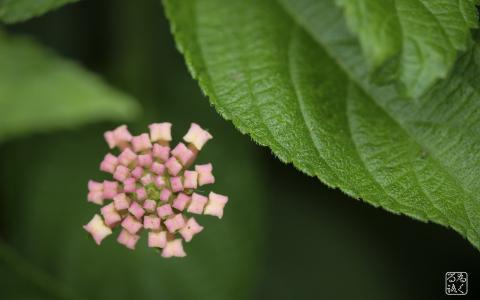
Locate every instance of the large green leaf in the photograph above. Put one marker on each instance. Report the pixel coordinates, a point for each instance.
(12, 11)
(419, 38)
(40, 91)
(311, 103)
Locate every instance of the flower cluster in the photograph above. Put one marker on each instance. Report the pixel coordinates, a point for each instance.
(153, 189)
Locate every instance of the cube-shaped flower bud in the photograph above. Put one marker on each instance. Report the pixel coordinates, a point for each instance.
(127, 157)
(159, 181)
(147, 179)
(158, 168)
(141, 143)
(150, 205)
(110, 139)
(176, 184)
(141, 194)
(157, 239)
(127, 239)
(137, 172)
(121, 173)
(110, 215)
(160, 132)
(122, 135)
(197, 204)
(205, 175)
(161, 152)
(182, 153)
(190, 179)
(181, 201)
(175, 223)
(173, 166)
(197, 136)
(151, 222)
(95, 186)
(174, 249)
(121, 202)
(109, 163)
(130, 185)
(131, 224)
(164, 211)
(95, 192)
(215, 205)
(190, 229)
(97, 229)
(165, 194)
(136, 210)
(110, 189)
(145, 160)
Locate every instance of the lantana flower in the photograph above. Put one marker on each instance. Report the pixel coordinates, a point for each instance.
(154, 189)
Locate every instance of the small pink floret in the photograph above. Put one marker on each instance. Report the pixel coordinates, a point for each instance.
(151, 222)
(129, 185)
(136, 210)
(97, 229)
(145, 160)
(121, 202)
(127, 157)
(158, 168)
(197, 204)
(164, 211)
(159, 181)
(109, 163)
(141, 143)
(197, 136)
(161, 152)
(160, 132)
(147, 179)
(215, 205)
(131, 224)
(181, 201)
(205, 175)
(141, 194)
(175, 223)
(173, 166)
(174, 249)
(127, 239)
(176, 184)
(137, 172)
(121, 173)
(157, 239)
(111, 216)
(182, 153)
(110, 189)
(190, 179)
(190, 229)
(165, 194)
(150, 205)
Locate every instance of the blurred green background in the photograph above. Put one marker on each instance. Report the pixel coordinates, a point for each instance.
(284, 235)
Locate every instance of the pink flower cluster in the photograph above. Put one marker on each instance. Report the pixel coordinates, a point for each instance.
(153, 189)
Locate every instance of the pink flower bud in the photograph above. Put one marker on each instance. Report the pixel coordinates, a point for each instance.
(176, 184)
(145, 160)
(158, 168)
(182, 153)
(190, 179)
(151, 222)
(161, 152)
(164, 211)
(197, 136)
(141, 143)
(121, 202)
(181, 201)
(175, 223)
(204, 174)
(95, 192)
(165, 194)
(197, 204)
(121, 173)
(215, 205)
(147, 179)
(110, 189)
(127, 239)
(122, 135)
(159, 182)
(127, 157)
(129, 185)
(97, 229)
(157, 239)
(150, 205)
(174, 249)
(160, 132)
(189, 230)
(137, 172)
(111, 216)
(94, 186)
(131, 224)
(141, 194)
(110, 139)
(109, 163)
(136, 210)
(173, 166)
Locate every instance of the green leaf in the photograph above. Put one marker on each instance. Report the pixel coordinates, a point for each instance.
(40, 91)
(310, 101)
(418, 39)
(12, 11)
